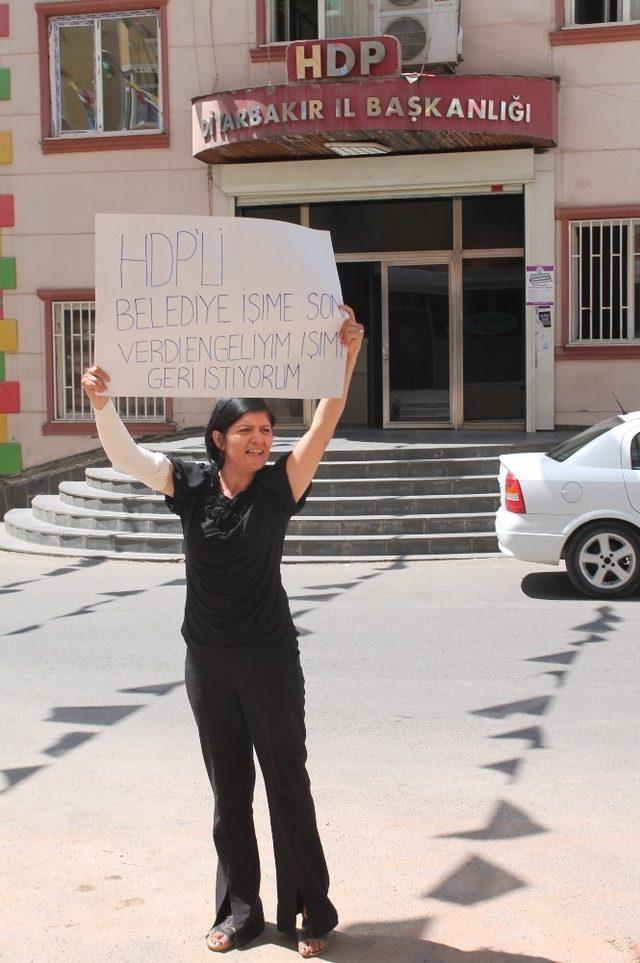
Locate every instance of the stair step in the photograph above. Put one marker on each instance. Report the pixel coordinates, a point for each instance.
(415, 467)
(21, 523)
(18, 545)
(26, 546)
(445, 485)
(108, 479)
(346, 526)
(393, 545)
(355, 470)
(98, 499)
(51, 509)
(361, 451)
(112, 480)
(147, 502)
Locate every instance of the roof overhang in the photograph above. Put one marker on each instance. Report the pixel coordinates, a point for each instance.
(406, 114)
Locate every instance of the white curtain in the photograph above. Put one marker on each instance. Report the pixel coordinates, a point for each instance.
(348, 18)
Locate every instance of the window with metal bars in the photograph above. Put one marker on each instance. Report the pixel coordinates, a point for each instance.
(105, 73)
(73, 331)
(604, 293)
(585, 12)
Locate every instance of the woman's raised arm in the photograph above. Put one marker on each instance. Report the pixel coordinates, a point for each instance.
(150, 467)
(305, 457)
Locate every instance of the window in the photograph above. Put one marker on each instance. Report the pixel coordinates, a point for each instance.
(635, 453)
(273, 212)
(566, 449)
(72, 329)
(105, 73)
(585, 12)
(310, 19)
(419, 224)
(493, 220)
(604, 294)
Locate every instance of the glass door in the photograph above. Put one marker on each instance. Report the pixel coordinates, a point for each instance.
(493, 328)
(360, 283)
(417, 347)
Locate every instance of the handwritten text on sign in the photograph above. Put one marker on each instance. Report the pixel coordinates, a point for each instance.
(216, 306)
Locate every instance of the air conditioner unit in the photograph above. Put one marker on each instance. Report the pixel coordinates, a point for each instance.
(428, 30)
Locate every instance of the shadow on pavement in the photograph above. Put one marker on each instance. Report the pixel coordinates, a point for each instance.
(533, 735)
(396, 942)
(475, 881)
(537, 706)
(506, 822)
(556, 586)
(550, 586)
(69, 741)
(91, 715)
(15, 776)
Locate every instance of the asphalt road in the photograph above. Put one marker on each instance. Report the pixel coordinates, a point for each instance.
(473, 742)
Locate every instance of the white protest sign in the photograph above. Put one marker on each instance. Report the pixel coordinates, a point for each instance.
(217, 307)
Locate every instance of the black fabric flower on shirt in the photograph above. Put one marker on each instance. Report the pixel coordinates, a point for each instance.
(226, 513)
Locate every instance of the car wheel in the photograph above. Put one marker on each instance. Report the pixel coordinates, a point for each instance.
(603, 560)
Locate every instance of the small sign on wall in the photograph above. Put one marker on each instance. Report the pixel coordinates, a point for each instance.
(544, 316)
(217, 307)
(544, 313)
(539, 285)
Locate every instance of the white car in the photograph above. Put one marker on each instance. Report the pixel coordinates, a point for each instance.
(579, 502)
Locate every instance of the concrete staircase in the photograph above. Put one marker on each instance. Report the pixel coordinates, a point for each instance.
(369, 500)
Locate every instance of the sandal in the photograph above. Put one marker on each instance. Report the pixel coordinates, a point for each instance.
(305, 940)
(305, 950)
(225, 929)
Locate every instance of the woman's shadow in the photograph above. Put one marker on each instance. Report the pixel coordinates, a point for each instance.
(389, 941)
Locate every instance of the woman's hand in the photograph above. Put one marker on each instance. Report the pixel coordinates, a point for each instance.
(94, 380)
(305, 457)
(351, 333)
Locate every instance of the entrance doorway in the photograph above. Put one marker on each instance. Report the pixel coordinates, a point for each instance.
(417, 356)
(439, 286)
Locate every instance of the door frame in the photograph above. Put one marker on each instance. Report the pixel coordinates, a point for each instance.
(454, 259)
(388, 259)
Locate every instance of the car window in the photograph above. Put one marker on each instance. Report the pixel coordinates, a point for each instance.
(635, 452)
(568, 448)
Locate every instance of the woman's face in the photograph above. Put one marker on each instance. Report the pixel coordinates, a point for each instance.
(247, 443)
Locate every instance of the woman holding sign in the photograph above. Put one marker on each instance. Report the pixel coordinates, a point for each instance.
(243, 674)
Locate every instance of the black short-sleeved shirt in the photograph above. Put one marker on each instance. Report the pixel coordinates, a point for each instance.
(235, 594)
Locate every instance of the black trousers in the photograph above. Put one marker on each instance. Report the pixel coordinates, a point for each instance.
(241, 700)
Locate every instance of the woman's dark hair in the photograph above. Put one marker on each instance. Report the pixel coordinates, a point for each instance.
(225, 413)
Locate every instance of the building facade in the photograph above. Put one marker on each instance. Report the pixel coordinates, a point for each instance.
(477, 170)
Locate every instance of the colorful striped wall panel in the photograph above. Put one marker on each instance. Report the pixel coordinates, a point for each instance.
(10, 451)
(7, 215)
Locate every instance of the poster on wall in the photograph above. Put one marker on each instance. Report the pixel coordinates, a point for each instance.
(216, 307)
(540, 284)
(544, 314)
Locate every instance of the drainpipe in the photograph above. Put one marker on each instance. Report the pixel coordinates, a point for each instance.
(210, 187)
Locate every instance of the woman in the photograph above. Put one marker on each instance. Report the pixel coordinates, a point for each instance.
(243, 674)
